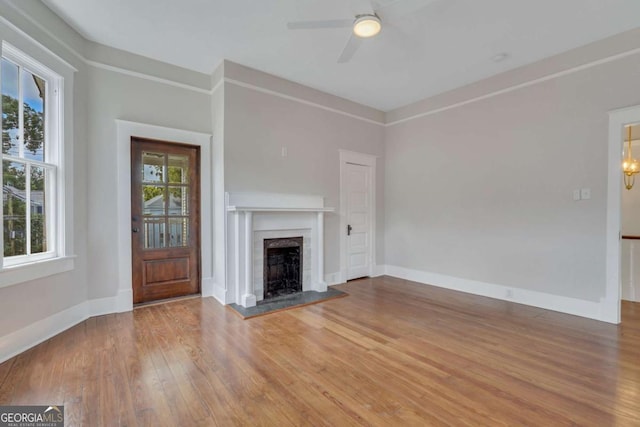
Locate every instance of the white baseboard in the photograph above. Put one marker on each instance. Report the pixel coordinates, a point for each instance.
(124, 301)
(337, 278)
(207, 288)
(23, 339)
(379, 270)
(120, 303)
(332, 279)
(578, 307)
(219, 293)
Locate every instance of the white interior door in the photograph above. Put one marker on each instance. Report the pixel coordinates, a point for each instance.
(358, 186)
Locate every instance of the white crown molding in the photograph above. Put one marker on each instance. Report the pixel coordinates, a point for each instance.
(169, 82)
(36, 42)
(289, 97)
(518, 86)
(300, 100)
(147, 77)
(44, 30)
(217, 86)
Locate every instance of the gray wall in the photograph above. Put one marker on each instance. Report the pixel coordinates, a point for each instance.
(256, 127)
(100, 97)
(111, 84)
(112, 96)
(483, 191)
(25, 303)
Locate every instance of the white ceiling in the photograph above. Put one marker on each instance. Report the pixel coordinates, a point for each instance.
(446, 44)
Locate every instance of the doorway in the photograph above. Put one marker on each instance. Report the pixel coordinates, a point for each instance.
(630, 220)
(165, 219)
(357, 219)
(618, 121)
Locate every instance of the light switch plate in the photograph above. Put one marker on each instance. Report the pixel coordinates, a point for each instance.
(585, 193)
(576, 195)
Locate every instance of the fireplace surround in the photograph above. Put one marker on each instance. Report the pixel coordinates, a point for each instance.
(254, 217)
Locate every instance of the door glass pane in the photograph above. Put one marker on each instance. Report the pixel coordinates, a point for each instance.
(153, 200)
(10, 108)
(154, 233)
(178, 232)
(152, 167)
(33, 92)
(178, 169)
(14, 208)
(39, 180)
(178, 201)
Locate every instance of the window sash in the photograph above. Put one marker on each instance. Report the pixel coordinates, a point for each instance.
(53, 189)
(49, 212)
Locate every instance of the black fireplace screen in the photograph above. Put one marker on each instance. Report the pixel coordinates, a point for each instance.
(282, 266)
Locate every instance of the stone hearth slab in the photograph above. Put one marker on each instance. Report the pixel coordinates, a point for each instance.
(299, 299)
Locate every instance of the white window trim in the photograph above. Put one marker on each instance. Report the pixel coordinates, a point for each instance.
(59, 258)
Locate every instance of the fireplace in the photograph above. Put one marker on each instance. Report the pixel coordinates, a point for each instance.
(254, 217)
(282, 266)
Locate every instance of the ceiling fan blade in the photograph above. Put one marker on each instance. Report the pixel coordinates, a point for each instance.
(350, 48)
(401, 8)
(313, 25)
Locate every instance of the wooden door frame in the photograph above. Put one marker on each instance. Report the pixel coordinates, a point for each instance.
(123, 300)
(351, 157)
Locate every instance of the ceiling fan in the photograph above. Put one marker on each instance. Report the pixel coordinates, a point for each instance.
(365, 25)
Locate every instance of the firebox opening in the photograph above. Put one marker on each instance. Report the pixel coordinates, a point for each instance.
(282, 266)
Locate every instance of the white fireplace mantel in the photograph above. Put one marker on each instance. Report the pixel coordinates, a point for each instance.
(267, 209)
(260, 212)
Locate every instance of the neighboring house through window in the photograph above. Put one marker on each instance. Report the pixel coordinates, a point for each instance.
(31, 160)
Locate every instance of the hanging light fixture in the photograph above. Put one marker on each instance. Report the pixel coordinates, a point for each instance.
(630, 166)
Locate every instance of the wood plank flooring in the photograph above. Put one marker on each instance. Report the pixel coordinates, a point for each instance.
(392, 353)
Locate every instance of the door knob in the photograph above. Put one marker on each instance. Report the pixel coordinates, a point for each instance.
(135, 229)
(349, 228)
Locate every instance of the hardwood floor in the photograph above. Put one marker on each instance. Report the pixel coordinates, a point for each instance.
(392, 353)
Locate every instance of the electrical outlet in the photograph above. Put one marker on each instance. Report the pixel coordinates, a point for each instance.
(509, 293)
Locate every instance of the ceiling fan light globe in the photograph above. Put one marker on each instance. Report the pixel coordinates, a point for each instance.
(367, 26)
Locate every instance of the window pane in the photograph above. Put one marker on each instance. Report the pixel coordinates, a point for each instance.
(152, 167)
(178, 169)
(10, 110)
(178, 201)
(33, 92)
(178, 232)
(153, 200)
(154, 233)
(14, 208)
(39, 180)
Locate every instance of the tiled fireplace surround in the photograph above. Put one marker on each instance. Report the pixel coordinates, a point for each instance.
(253, 217)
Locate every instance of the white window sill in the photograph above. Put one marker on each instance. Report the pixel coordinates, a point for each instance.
(13, 275)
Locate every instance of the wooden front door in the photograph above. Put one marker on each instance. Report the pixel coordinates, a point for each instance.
(165, 219)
